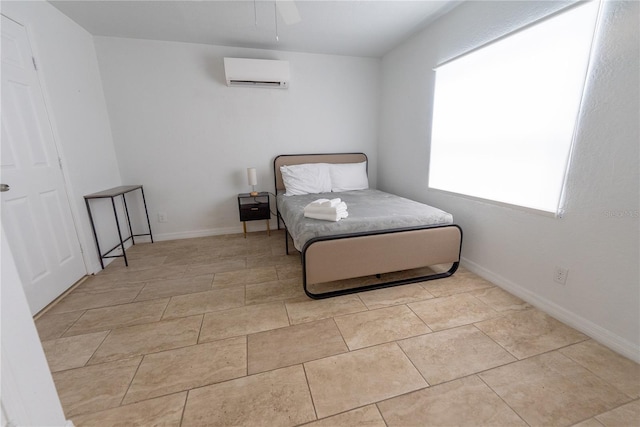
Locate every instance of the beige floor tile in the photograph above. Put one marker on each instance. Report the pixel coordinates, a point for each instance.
(279, 249)
(308, 310)
(275, 398)
(262, 246)
(234, 251)
(530, 332)
(500, 300)
(203, 302)
(148, 338)
(289, 271)
(347, 381)
(625, 415)
(175, 249)
(145, 257)
(189, 367)
(94, 388)
(147, 249)
(461, 281)
(591, 422)
(379, 326)
(72, 352)
(229, 279)
(261, 275)
(622, 373)
(368, 416)
(173, 287)
(293, 345)
(76, 301)
(463, 402)
(106, 283)
(194, 258)
(551, 389)
(243, 321)
(216, 267)
(145, 263)
(454, 353)
(164, 411)
(449, 312)
(51, 326)
(278, 290)
(209, 277)
(156, 273)
(135, 313)
(269, 260)
(393, 296)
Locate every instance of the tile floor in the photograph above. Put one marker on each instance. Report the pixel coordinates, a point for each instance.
(217, 331)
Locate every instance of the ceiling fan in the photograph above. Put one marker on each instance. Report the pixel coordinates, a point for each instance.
(287, 10)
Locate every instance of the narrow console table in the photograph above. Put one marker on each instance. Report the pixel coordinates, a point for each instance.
(112, 193)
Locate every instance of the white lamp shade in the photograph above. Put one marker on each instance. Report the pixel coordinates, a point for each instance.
(252, 178)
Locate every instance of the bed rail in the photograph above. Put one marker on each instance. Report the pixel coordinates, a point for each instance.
(331, 258)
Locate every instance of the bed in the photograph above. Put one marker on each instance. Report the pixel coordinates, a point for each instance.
(386, 240)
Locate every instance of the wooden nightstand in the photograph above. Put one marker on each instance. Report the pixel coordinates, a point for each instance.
(252, 208)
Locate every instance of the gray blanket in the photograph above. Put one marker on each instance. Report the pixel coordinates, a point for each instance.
(369, 210)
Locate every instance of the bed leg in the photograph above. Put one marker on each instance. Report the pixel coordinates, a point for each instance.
(286, 240)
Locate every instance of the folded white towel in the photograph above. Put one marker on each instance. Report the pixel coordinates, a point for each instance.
(327, 216)
(328, 210)
(330, 203)
(320, 202)
(314, 208)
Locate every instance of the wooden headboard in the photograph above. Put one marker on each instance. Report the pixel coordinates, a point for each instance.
(298, 159)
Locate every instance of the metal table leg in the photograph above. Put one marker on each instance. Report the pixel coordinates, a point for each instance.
(147, 213)
(115, 213)
(95, 235)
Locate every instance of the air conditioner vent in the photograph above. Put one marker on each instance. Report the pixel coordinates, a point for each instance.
(255, 83)
(256, 72)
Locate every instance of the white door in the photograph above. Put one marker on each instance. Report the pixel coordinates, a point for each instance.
(36, 216)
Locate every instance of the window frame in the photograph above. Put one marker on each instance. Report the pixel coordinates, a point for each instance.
(592, 44)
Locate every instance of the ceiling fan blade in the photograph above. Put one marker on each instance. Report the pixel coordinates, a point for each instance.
(288, 11)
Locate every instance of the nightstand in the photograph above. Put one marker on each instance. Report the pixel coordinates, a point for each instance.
(252, 208)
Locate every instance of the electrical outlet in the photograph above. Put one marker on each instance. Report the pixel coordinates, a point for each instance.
(162, 217)
(560, 275)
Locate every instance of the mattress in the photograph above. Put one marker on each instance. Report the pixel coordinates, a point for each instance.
(369, 210)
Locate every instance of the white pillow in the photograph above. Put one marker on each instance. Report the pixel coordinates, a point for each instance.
(308, 178)
(348, 176)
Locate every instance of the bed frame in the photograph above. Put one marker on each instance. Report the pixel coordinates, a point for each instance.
(333, 258)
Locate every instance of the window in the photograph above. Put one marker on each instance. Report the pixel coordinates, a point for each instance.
(505, 114)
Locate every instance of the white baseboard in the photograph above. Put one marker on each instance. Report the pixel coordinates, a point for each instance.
(197, 233)
(587, 327)
(210, 232)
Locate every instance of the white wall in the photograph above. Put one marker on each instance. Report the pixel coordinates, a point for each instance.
(188, 138)
(70, 78)
(598, 240)
(29, 396)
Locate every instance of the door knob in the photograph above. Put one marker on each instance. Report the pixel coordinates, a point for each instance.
(4, 187)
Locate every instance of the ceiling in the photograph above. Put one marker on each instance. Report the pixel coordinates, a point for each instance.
(356, 28)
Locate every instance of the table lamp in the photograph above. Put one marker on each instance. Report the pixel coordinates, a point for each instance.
(252, 179)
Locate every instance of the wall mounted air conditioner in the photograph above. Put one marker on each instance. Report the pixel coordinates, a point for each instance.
(256, 72)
